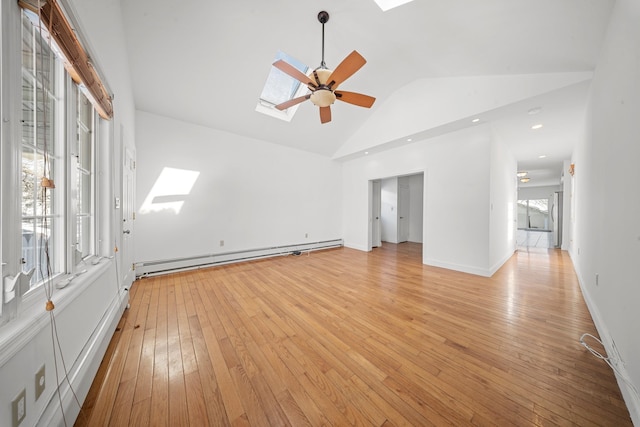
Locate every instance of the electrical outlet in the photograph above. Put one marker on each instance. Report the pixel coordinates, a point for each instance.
(306, 235)
(221, 243)
(19, 408)
(616, 354)
(40, 382)
(597, 279)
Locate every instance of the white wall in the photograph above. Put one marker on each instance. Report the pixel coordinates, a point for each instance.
(456, 175)
(88, 309)
(389, 209)
(416, 204)
(567, 206)
(607, 216)
(418, 106)
(249, 193)
(502, 207)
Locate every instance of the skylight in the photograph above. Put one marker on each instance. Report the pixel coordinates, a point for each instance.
(390, 4)
(281, 87)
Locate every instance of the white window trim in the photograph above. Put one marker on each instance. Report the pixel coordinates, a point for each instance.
(22, 321)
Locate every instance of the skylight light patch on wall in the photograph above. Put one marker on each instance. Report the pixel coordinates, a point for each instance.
(390, 4)
(281, 87)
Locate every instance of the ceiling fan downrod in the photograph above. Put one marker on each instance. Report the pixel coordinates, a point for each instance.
(323, 17)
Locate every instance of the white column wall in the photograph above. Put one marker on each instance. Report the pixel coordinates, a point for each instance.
(456, 196)
(416, 199)
(502, 205)
(606, 228)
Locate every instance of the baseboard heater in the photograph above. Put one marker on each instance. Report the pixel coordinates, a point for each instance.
(153, 268)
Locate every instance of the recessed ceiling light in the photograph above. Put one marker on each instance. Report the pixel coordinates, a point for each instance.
(525, 179)
(476, 120)
(366, 152)
(521, 174)
(534, 110)
(542, 156)
(535, 127)
(409, 139)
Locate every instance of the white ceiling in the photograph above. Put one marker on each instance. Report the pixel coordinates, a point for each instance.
(206, 61)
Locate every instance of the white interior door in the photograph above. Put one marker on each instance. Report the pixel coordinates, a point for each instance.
(128, 217)
(403, 212)
(376, 231)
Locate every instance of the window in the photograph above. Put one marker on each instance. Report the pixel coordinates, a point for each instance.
(82, 152)
(63, 107)
(281, 87)
(533, 214)
(390, 4)
(58, 143)
(42, 211)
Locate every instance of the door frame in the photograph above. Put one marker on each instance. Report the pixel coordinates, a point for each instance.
(375, 210)
(403, 211)
(128, 215)
(370, 188)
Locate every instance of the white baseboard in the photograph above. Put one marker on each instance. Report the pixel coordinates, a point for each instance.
(485, 272)
(149, 268)
(500, 263)
(362, 248)
(631, 398)
(82, 373)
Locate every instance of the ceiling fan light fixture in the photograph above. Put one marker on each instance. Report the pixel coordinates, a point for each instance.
(323, 97)
(322, 82)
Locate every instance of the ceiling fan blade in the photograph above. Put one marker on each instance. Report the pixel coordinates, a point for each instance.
(289, 69)
(292, 102)
(355, 98)
(349, 65)
(325, 114)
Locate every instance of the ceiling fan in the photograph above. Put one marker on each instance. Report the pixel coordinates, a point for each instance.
(325, 82)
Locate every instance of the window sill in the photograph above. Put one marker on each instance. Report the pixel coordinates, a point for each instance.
(32, 316)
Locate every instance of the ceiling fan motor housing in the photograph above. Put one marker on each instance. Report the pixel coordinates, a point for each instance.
(323, 96)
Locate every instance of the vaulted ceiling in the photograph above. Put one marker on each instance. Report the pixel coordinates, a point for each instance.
(205, 62)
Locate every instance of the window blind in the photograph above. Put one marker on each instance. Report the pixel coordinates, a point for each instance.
(77, 62)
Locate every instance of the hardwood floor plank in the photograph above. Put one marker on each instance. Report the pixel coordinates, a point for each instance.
(343, 337)
(140, 413)
(196, 403)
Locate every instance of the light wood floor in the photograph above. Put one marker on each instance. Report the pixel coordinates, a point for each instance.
(343, 337)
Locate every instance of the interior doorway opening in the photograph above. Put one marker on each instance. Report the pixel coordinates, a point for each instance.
(396, 209)
(540, 221)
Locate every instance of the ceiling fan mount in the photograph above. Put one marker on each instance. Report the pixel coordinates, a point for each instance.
(323, 17)
(325, 82)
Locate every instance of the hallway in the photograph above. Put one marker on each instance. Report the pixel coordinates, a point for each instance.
(534, 239)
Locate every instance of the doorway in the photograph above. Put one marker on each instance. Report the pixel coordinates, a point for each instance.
(540, 220)
(128, 215)
(396, 206)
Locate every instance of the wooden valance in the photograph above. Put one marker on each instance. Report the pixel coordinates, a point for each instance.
(76, 60)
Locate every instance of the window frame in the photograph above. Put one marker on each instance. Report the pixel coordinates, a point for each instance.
(267, 107)
(65, 176)
(76, 93)
(55, 91)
